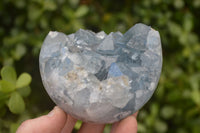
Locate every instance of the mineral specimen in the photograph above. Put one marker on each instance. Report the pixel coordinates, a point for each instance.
(101, 78)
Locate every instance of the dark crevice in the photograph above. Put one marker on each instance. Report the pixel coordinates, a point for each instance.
(103, 72)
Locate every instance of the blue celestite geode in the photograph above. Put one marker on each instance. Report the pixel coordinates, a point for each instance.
(101, 78)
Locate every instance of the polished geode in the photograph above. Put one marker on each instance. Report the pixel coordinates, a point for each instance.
(101, 78)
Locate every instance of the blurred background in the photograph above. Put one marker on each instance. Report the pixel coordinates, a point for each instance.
(175, 105)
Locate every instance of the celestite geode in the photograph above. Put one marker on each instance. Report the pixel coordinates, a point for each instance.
(101, 78)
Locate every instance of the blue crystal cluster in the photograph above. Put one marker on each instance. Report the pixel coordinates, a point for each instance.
(101, 78)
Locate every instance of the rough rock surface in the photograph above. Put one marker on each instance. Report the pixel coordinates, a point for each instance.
(101, 78)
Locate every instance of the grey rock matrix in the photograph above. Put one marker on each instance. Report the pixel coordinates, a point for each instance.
(101, 78)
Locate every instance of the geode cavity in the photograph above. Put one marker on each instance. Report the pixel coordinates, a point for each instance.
(101, 78)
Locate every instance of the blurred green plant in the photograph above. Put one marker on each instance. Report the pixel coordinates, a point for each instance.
(175, 106)
(13, 90)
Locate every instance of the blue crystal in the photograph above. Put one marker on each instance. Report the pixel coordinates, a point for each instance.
(114, 71)
(101, 78)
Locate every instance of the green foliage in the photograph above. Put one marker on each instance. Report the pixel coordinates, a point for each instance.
(12, 89)
(23, 80)
(16, 103)
(6, 86)
(24, 91)
(13, 127)
(9, 74)
(78, 125)
(175, 106)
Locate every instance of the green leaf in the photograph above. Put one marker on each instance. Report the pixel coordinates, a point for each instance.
(23, 80)
(179, 4)
(174, 29)
(195, 93)
(34, 12)
(67, 13)
(160, 126)
(78, 125)
(196, 3)
(16, 103)
(141, 128)
(20, 3)
(13, 127)
(74, 3)
(188, 22)
(25, 91)
(107, 128)
(8, 73)
(8, 61)
(49, 5)
(6, 86)
(3, 98)
(15, 39)
(195, 96)
(19, 51)
(81, 11)
(167, 112)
